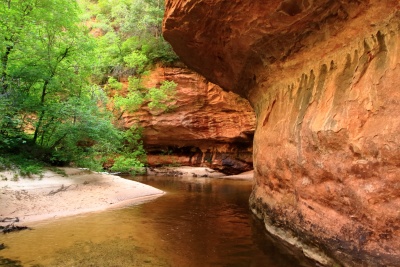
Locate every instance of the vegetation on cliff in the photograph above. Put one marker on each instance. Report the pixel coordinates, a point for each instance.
(128, 34)
(54, 77)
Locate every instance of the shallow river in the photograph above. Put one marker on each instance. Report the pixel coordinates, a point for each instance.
(199, 222)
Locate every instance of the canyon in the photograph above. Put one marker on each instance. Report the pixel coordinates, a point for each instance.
(323, 79)
(204, 126)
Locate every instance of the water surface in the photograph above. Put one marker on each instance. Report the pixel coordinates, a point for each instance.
(199, 222)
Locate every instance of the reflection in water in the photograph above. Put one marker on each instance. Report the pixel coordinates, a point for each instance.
(200, 222)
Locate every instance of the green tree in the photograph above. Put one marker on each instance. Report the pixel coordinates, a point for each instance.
(46, 101)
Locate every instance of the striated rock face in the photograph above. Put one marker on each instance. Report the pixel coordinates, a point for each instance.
(324, 79)
(208, 126)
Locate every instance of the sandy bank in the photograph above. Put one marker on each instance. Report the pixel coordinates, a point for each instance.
(187, 171)
(54, 196)
(242, 176)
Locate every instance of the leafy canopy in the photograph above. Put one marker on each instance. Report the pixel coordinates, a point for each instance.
(47, 105)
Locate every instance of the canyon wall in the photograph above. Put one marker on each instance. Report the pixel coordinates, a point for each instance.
(323, 77)
(205, 126)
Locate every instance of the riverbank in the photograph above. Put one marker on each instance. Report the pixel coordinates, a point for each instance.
(187, 171)
(56, 195)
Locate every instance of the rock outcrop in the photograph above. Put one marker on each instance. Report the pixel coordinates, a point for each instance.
(207, 126)
(323, 78)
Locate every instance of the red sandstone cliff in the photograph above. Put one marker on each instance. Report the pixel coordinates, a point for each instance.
(323, 77)
(207, 125)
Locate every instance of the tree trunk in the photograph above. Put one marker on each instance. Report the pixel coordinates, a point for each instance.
(4, 62)
(42, 113)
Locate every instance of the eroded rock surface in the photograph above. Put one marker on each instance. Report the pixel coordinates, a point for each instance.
(207, 126)
(323, 77)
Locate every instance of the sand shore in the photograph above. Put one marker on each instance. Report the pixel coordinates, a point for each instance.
(54, 196)
(187, 171)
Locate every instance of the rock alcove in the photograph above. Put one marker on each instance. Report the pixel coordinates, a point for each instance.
(205, 127)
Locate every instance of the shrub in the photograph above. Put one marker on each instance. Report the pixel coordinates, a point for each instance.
(129, 165)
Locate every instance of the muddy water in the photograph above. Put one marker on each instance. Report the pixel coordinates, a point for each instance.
(199, 222)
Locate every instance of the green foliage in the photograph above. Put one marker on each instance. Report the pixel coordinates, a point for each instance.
(131, 41)
(55, 79)
(158, 99)
(137, 60)
(162, 98)
(22, 165)
(129, 165)
(30, 170)
(110, 56)
(133, 145)
(114, 84)
(133, 155)
(90, 133)
(48, 107)
(158, 50)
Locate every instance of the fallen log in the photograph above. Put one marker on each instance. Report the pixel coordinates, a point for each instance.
(12, 228)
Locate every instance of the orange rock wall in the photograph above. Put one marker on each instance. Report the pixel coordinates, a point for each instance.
(331, 167)
(206, 123)
(323, 78)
